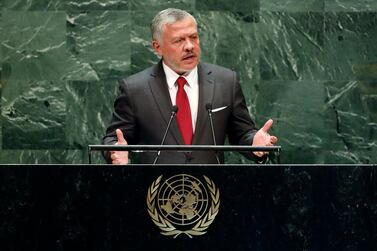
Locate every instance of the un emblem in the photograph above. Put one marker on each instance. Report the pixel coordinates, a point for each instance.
(182, 204)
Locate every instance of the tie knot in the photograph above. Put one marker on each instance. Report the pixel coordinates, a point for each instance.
(181, 81)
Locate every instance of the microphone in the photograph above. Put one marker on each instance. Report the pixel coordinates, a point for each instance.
(173, 112)
(209, 110)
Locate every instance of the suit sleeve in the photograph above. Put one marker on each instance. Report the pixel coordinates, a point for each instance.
(242, 128)
(123, 118)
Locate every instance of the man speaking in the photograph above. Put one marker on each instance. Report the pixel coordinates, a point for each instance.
(184, 91)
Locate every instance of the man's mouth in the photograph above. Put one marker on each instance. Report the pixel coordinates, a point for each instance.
(188, 57)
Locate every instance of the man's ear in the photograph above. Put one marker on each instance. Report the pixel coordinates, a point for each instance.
(156, 46)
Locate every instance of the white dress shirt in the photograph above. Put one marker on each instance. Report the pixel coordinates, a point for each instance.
(191, 88)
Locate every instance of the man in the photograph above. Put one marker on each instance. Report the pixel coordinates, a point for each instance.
(144, 105)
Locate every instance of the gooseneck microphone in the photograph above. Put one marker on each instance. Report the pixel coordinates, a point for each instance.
(173, 112)
(209, 110)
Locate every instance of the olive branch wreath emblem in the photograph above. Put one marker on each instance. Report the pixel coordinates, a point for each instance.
(168, 228)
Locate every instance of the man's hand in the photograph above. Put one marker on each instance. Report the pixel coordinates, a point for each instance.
(119, 157)
(263, 138)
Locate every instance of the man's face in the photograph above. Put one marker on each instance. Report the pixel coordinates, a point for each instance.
(179, 46)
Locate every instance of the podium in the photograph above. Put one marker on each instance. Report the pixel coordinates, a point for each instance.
(158, 149)
(249, 207)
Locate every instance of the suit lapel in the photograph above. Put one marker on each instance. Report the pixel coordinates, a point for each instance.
(161, 95)
(206, 90)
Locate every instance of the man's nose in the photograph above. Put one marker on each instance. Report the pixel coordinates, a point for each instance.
(188, 45)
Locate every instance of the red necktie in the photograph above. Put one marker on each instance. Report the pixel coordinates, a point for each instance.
(184, 113)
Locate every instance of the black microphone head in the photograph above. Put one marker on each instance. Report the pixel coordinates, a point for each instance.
(208, 106)
(174, 109)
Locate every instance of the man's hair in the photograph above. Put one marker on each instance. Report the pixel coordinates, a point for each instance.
(167, 16)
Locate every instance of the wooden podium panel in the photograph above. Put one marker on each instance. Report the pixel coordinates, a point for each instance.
(233, 207)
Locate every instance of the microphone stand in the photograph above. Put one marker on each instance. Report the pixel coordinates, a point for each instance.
(209, 110)
(174, 111)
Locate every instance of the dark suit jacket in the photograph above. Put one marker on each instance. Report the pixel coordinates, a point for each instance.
(143, 108)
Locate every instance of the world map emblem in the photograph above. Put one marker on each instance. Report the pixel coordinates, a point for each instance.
(183, 204)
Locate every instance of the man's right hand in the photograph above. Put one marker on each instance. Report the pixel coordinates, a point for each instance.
(120, 157)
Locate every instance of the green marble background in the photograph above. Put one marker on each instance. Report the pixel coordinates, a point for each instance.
(310, 65)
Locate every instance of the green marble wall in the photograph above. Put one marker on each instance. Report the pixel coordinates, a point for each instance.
(310, 65)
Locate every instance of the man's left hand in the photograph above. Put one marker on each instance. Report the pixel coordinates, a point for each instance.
(263, 138)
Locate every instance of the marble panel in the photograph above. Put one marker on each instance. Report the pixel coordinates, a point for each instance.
(353, 104)
(33, 46)
(70, 5)
(305, 125)
(1, 123)
(43, 157)
(225, 5)
(156, 6)
(2, 82)
(33, 115)
(99, 43)
(142, 53)
(350, 46)
(291, 45)
(1, 38)
(350, 5)
(89, 110)
(90, 5)
(292, 5)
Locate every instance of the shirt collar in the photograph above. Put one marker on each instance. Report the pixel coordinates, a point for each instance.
(172, 76)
